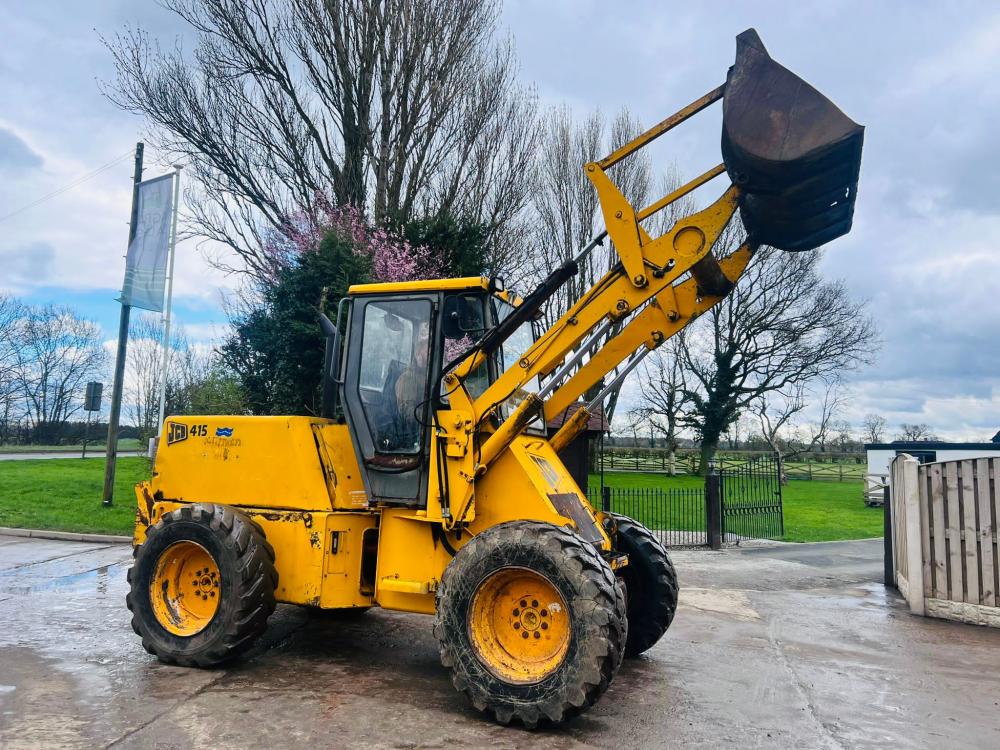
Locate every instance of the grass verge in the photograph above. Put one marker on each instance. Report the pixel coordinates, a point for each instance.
(814, 511)
(65, 494)
(96, 445)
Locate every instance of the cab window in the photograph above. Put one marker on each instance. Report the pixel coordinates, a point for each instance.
(511, 352)
(464, 321)
(394, 373)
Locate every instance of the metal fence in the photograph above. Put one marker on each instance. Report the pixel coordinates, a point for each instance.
(751, 500)
(827, 467)
(676, 516)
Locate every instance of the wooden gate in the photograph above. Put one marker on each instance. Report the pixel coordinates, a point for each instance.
(945, 550)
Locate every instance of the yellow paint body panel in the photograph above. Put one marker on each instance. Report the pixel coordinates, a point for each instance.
(343, 475)
(411, 561)
(298, 479)
(314, 567)
(249, 461)
(520, 484)
(289, 474)
(412, 556)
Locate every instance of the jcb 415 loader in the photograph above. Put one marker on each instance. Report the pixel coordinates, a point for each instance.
(435, 487)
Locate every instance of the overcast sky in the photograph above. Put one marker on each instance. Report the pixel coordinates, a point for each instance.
(923, 79)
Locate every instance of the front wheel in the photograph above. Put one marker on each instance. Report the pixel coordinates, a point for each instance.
(202, 586)
(531, 622)
(650, 585)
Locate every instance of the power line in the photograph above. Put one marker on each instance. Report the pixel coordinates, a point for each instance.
(70, 186)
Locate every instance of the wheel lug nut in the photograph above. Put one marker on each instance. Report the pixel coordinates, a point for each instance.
(524, 603)
(534, 602)
(524, 633)
(517, 612)
(545, 626)
(537, 634)
(517, 625)
(545, 613)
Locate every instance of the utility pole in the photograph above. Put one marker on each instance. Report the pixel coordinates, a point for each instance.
(170, 294)
(116, 388)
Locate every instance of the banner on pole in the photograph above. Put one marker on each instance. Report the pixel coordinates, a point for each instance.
(146, 261)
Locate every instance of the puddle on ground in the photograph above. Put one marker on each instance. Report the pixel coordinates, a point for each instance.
(98, 577)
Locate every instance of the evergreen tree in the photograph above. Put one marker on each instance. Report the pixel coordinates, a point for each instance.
(276, 349)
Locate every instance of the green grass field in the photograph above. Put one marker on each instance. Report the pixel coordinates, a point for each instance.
(814, 511)
(65, 494)
(97, 444)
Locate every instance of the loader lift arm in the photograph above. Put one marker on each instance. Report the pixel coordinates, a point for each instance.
(642, 290)
(793, 159)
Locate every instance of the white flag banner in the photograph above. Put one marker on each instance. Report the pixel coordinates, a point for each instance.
(146, 262)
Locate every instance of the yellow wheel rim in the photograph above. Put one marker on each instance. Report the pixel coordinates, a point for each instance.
(519, 625)
(185, 588)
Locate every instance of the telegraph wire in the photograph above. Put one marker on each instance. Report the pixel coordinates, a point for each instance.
(79, 181)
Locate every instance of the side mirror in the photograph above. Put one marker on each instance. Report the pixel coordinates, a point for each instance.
(463, 315)
(331, 360)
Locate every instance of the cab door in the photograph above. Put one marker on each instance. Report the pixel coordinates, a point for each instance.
(386, 393)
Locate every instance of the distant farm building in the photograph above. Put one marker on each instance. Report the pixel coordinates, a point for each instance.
(880, 455)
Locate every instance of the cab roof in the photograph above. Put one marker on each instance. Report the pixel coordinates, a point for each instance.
(429, 285)
(433, 285)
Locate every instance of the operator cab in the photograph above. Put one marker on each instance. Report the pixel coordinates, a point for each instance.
(400, 337)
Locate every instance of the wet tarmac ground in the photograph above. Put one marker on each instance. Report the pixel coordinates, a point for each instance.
(790, 646)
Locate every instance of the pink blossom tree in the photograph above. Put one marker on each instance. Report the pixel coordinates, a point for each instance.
(393, 257)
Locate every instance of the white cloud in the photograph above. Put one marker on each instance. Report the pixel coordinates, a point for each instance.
(923, 248)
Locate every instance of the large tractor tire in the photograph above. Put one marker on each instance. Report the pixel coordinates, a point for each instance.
(202, 586)
(530, 622)
(650, 585)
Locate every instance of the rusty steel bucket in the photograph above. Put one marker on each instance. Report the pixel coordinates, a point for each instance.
(794, 154)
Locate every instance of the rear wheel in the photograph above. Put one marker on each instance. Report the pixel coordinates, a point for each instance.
(531, 622)
(650, 585)
(202, 586)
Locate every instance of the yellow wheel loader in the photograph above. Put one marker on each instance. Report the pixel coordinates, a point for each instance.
(431, 484)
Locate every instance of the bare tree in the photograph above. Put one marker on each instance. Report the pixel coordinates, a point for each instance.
(873, 428)
(832, 403)
(11, 313)
(565, 201)
(843, 434)
(57, 353)
(566, 207)
(663, 389)
(395, 106)
(633, 422)
(915, 433)
(776, 412)
(782, 328)
(143, 372)
(142, 378)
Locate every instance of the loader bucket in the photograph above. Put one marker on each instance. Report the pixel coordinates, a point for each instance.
(794, 154)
